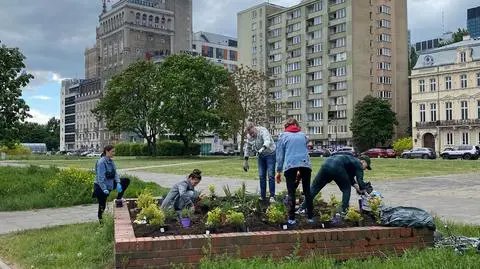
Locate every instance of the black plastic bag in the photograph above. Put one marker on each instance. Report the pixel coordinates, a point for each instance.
(407, 217)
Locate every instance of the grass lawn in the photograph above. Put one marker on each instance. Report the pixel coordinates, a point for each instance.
(32, 188)
(91, 246)
(382, 169)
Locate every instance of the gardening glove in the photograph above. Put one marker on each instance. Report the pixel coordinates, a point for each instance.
(261, 150)
(106, 192)
(245, 166)
(278, 178)
(119, 188)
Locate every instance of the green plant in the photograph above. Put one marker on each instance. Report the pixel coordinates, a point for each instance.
(276, 213)
(153, 214)
(69, 184)
(325, 218)
(353, 215)
(214, 217)
(402, 144)
(186, 213)
(241, 193)
(375, 204)
(235, 218)
(170, 214)
(228, 193)
(211, 189)
(145, 199)
(333, 201)
(318, 199)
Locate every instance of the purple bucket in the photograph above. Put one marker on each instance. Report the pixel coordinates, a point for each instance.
(185, 222)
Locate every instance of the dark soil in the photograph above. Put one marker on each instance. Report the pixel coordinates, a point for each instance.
(255, 220)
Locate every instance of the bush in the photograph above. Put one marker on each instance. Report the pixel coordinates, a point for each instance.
(170, 148)
(153, 214)
(137, 149)
(353, 215)
(276, 213)
(123, 149)
(145, 199)
(17, 149)
(214, 217)
(193, 149)
(71, 185)
(403, 144)
(235, 218)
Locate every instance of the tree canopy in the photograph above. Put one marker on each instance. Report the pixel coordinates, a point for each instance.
(372, 123)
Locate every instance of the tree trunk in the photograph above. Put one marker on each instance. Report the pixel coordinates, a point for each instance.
(185, 143)
(154, 146)
(242, 140)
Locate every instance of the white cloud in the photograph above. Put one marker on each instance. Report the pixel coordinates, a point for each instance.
(42, 77)
(39, 117)
(41, 97)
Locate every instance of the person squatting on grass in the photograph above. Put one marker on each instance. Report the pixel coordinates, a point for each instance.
(182, 194)
(259, 140)
(343, 170)
(293, 158)
(107, 179)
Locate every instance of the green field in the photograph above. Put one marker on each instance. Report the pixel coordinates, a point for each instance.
(383, 169)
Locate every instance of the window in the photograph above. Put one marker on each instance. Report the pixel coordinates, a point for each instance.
(317, 89)
(315, 48)
(317, 103)
(478, 110)
(277, 95)
(384, 94)
(254, 26)
(384, 80)
(277, 82)
(275, 45)
(384, 52)
(275, 32)
(254, 49)
(317, 20)
(342, 85)
(384, 38)
(339, 28)
(448, 83)
(463, 57)
(341, 114)
(294, 27)
(448, 111)
(433, 84)
(338, 57)
(296, 40)
(294, 14)
(449, 138)
(465, 139)
(421, 85)
(338, 72)
(294, 53)
(315, 62)
(315, 75)
(296, 105)
(315, 34)
(293, 80)
(478, 79)
(339, 42)
(383, 23)
(315, 117)
(422, 112)
(254, 62)
(463, 81)
(315, 130)
(294, 92)
(254, 38)
(384, 9)
(275, 20)
(293, 66)
(433, 112)
(276, 57)
(315, 7)
(384, 66)
(464, 110)
(254, 14)
(277, 70)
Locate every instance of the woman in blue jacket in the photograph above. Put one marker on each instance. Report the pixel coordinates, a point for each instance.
(108, 179)
(294, 161)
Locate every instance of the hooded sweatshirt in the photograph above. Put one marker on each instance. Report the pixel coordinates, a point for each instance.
(292, 149)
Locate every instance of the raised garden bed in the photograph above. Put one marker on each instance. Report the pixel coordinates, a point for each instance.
(140, 245)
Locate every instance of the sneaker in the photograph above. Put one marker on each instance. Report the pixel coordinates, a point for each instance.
(310, 221)
(272, 200)
(291, 222)
(301, 211)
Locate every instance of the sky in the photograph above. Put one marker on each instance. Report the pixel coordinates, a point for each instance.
(53, 35)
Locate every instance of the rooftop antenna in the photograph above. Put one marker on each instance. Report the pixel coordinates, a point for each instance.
(443, 22)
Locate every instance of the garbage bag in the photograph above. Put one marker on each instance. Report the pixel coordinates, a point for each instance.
(407, 217)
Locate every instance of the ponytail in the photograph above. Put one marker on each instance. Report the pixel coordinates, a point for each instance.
(196, 173)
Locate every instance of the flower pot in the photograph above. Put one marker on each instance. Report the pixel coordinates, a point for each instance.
(185, 222)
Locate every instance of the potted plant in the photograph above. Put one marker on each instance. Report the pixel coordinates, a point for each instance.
(185, 217)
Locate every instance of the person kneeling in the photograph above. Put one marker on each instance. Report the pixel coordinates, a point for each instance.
(182, 194)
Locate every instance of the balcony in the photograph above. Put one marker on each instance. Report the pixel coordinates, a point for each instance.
(447, 123)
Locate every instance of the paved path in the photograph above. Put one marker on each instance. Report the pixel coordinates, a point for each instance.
(453, 197)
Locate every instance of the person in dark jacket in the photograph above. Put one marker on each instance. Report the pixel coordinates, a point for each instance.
(346, 171)
(182, 194)
(293, 159)
(108, 179)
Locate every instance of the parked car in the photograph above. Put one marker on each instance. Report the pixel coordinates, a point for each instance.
(465, 152)
(424, 153)
(94, 154)
(346, 150)
(391, 153)
(376, 153)
(319, 153)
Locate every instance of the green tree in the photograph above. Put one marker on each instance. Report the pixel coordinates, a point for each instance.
(13, 108)
(133, 102)
(412, 60)
(230, 111)
(195, 88)
(253, 96)
(402, 144)
(458, 35)
(372, 123)
(30, 132)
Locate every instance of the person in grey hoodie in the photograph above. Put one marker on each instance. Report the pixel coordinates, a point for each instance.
(294, 161)
(108, 179)
(182, 194)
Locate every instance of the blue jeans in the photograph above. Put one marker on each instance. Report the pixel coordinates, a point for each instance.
(266, 167)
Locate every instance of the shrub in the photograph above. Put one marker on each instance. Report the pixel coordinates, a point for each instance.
(375, 203)
(318, 199)
(170, 214)
(153, 214)
(403, 144)
(71, 185)
(333, 201)
(137, 149)
(214, 217)
(353, 215)
(235, 218)
(145, 199)
(123, 149)
(276, 213)
(325, 218)
(170, 148)
(186, 213)
(211, 189)
(17, 149)
(193, 149)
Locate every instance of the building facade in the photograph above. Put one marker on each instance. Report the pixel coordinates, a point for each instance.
(446, 96)
(473, 22)
(322, 57)
(67, 113)
(219, 49)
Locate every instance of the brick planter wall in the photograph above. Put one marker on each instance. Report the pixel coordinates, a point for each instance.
(341, 244)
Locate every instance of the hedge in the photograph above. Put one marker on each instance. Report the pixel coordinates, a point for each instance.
(164, 148)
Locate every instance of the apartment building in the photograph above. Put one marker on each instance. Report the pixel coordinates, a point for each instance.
(67, 113)
(219, 49)
(473, 22)
(446, 96)
(322, 57)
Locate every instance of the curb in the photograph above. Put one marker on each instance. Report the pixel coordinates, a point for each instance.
(4, 265)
